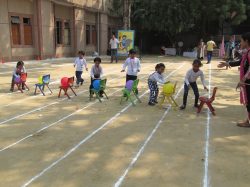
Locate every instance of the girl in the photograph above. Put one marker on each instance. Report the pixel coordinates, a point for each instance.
(244, 83)
(18, 70)
(96, 73)
(134, 66)
(80, 62)
(190, 83)
(229, 55)
(157, 76)
(201, 47)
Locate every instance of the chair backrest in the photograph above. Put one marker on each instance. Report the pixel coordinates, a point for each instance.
(46, 79)
(23, 77)
(71, 81)
(102, 84)
(214, 92)
(135, 84)
(174, 87)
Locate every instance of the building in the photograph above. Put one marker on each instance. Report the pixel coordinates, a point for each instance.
(55, 28)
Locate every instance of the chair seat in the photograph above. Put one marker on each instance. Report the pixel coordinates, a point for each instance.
(167, 94)
(63, 87)
(38, 84)
(206, 100)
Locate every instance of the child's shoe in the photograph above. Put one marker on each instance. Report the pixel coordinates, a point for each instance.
(196, 105)
(82, 81)
(23, 88)
(100, 95)
(183, 107)
(155, 101)
(151, 104)
(77, 86)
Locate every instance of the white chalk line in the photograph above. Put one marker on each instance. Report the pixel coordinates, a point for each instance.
(93, 133)
(205, 179)
(118, 183)
(64, 117)
(57, 80)
(31, 97)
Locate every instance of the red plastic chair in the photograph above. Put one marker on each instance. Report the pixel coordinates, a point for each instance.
(208, 102)
(65, 89)
(23, 78)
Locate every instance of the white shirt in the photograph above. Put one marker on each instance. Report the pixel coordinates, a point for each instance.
(180, 44)
(133, 66)
(156, 77)
(96, 71)
(114, 43)
(80, 63)
(19, 71)
(192, 76)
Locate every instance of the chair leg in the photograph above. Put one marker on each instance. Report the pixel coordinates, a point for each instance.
(171, 103)
(122, 97)
(137, 97)
(106, 95)
(13, 85)
(131, 99)
(162, 100)
(26, 86)
(211, 108)
(42, 90)
(73, 91)
(91, 94)
(60, 92)
(174, 101)
(97, 95)
(19, 87)
(200, 107)
(49, 88)
(66, 93)
(35, 90)
(43, 87)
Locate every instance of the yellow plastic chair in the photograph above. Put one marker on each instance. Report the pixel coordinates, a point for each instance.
(169, 97)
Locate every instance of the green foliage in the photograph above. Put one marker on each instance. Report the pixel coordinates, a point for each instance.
(137, 50)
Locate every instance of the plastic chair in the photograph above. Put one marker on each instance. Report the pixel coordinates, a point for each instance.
(45, 79)
(126, 91)
(102, 86)
(208, 101)
(169, 97)
(23, 78)
(65, 89)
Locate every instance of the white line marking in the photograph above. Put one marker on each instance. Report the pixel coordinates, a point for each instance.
(57, 80)
(66, 116)
(118, 183)
(93, 133)
(205, 179)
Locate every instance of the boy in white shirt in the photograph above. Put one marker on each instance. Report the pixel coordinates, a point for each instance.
(113, 44)
(79, 64)
(134, 67)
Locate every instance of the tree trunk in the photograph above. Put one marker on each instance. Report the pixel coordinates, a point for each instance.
(126, 14)
(203, 25)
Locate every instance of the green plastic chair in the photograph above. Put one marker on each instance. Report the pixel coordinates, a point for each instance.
(102, 86)
(126, 91)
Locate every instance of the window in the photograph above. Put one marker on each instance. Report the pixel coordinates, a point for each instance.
(66, 33)
(27, 31)
(22, 32)
(59, 32)
(87, 34)
(15, 29)
(93, 35)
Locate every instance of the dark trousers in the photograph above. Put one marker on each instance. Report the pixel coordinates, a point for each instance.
(78, 77)
(131, 77)
(209, 56)
(91, 85)
(196, 93)
(113, 53)
(13, 79)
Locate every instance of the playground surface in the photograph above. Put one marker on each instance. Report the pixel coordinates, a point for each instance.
(51, 141)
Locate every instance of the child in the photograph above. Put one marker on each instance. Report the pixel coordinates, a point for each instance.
(190, 83)
(18, 70)
(157, 76)
(96, 73)
(134, 66)
(80, 62)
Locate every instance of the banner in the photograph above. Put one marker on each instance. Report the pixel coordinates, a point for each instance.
(126, 41)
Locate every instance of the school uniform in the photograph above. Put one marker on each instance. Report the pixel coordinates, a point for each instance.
(153, 86)
(133, 66)
(80, 64)
(96, 72)
(191, 78)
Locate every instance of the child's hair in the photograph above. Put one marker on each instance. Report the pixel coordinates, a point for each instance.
(132, 51)
(81, 52)
(246, 36)
(211, 38)
(124, 36)
(159, 66)
(20, 63)
(98, 59)
(197, 61)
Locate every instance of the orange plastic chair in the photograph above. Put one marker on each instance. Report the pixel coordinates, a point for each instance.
(65, 89)
(23, 78)
(208, 101)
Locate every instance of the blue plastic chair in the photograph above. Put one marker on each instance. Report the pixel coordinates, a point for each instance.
(46, 79)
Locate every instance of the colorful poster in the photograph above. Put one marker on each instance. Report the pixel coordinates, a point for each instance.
(126, 42)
